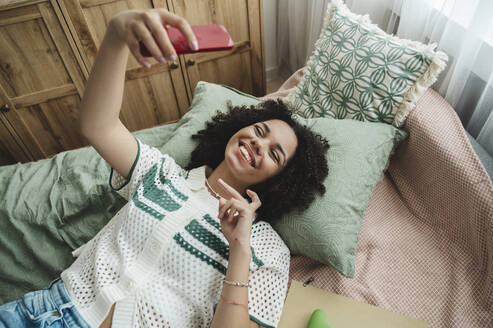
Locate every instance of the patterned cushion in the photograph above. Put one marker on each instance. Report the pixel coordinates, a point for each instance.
(357, 71)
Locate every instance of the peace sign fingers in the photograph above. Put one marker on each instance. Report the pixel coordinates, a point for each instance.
(237, 214)
(240, 202)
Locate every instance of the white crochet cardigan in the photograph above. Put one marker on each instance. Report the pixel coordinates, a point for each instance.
(162, 257)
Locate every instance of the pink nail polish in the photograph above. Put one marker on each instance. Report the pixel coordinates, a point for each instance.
(146, 64)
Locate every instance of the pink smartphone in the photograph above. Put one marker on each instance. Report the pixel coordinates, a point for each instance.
(211, 37)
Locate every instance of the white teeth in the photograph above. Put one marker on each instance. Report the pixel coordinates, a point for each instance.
(246, 154)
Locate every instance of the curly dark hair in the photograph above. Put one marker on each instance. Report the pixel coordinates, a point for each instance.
(295, 186)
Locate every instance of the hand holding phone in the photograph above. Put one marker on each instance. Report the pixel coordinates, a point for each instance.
(147, 25)
(211, 37)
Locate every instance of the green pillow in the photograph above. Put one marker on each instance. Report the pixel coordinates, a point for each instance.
(328, 230)
(357, 71)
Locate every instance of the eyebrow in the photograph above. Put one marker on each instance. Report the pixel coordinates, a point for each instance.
(266, 127)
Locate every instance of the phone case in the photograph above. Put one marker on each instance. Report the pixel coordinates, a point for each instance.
(211, 37)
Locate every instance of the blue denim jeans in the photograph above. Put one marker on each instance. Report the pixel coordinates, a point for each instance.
(49, 307)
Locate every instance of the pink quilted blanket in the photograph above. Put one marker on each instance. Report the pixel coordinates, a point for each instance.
(426, 244)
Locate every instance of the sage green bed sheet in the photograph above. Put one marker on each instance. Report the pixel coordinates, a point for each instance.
(52, 206)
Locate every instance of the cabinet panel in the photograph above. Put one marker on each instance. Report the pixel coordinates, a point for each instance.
(40, 78)
(218, 70)
(149, 100)
(28, 44)
(6, 157)
(54, 124)
(34, 52)
(233, 14)
(11, 148)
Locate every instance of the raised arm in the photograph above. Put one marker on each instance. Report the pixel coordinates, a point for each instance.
(100, 107)
(232, 309)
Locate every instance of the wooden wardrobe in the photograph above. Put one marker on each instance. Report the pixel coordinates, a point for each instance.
(47, 48)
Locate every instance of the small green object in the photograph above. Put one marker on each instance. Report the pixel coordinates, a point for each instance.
(318, 320)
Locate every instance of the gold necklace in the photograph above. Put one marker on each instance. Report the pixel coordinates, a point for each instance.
(215, 194)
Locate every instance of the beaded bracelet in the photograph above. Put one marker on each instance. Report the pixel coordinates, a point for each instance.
(234, 302)
(236, 283)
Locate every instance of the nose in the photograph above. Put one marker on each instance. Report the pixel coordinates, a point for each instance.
(259, 145)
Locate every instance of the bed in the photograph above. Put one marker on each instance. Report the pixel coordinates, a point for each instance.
(425, 248)
(426, 243)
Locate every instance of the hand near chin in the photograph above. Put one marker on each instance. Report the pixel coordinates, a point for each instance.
(236, 215)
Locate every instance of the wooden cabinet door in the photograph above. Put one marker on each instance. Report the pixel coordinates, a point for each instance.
(151, 97)
(40, 77)
(11, 148)
(242, 67)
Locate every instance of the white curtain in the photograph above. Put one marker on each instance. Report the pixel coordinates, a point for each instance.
(462, 28)
(299, 23)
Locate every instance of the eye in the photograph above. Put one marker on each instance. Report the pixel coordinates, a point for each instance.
(259, 130)
(276, 157)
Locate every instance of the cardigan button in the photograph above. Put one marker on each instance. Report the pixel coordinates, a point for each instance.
(155, 245)
(129, 284)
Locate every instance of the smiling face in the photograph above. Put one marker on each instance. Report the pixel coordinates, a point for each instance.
(260, 151)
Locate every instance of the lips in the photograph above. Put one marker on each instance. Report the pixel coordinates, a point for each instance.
(250, 152)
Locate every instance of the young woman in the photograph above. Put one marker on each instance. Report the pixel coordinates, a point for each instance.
(187, 249)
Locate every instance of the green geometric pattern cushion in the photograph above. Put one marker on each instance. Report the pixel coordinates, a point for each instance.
(358, 71)
(328, 230)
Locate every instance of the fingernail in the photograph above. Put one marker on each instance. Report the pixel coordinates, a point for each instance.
(146, 64)
(162, 60)
(172, 57)
(195, 45)
(220, 180)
